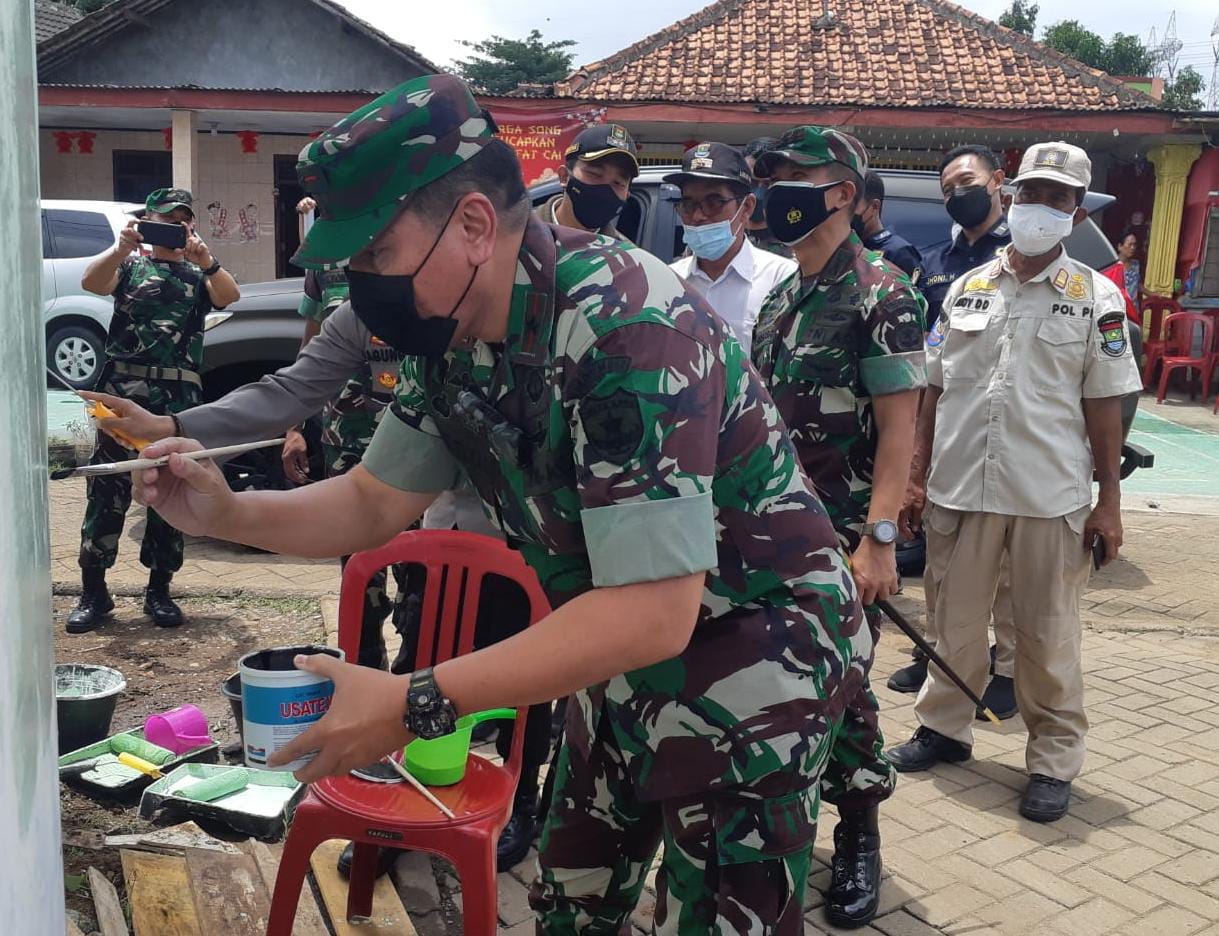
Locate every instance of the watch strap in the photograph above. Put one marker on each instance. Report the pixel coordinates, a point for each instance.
(213, 269)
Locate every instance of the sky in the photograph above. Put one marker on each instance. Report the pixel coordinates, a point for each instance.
(600, 29)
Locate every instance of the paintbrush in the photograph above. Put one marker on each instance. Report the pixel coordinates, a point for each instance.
(139, 464)
(418, 785)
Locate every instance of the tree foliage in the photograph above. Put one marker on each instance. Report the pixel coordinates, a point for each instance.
(1020, 16)
(1185, 93)
(500, 64)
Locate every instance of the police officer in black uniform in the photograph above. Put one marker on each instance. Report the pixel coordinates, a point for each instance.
(972, 183)
(871, 229)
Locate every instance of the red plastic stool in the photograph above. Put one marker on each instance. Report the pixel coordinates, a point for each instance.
(395, 815)
(1180, 329)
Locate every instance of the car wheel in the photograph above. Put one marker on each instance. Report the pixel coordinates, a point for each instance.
(75, 353)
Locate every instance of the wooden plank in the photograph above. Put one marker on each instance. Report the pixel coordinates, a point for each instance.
(388, 914)
(158, 888)
(110, 919)
(229, 895)
(309, 920)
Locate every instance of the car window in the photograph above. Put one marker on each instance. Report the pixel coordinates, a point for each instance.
(630, 221)
(923, 223)
(78, 233)
(46, 238)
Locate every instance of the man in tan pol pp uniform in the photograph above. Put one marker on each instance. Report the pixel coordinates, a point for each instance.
(1026, 367)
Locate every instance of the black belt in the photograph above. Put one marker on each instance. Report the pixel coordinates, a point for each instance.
(157, 373)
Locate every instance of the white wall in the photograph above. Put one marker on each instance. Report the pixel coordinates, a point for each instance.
(226, 175)
(31, 883)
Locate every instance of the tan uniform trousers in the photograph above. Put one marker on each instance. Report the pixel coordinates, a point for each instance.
(1000, 618)
(1049, 569)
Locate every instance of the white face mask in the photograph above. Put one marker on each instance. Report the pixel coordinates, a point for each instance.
(1038, 229)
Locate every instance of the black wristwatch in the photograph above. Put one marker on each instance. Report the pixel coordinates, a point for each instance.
(428, 713)
(883, 531)
(213, 269)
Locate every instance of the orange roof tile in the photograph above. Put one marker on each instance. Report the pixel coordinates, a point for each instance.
(854, 53)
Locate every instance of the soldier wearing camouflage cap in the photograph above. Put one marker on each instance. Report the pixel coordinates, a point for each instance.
(839, 345)
(618, 436)
(154, 352)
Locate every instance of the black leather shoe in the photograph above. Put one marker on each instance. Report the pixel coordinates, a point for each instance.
(386, 858)
(517, 838)
(854, 893)
(1000, 698)
(159, 606)
(95, 603)
(1045, 799)
(909, 678)
(926, 749)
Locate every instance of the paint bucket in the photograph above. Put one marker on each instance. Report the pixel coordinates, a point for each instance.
(280, 702)
(85, 698)
(231, 690)
(180, 729)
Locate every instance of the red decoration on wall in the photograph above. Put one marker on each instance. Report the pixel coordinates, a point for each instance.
(249, 140)
(63, 141)
(168, 133)
(1011, 162)
(84, 141)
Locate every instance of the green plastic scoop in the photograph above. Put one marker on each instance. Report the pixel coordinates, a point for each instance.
(442, 761)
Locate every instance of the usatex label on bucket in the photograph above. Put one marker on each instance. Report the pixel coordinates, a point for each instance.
(280, 702)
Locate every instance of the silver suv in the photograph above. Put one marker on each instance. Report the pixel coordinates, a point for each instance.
(73, 234)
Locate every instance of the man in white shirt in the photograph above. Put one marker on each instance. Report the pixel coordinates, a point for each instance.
(1026, 368)
(716, 201)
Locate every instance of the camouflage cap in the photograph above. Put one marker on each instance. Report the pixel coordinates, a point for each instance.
(165, 200)
(815, 146)
(360, 169)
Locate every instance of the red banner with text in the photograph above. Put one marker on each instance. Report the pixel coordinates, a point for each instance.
(540, 137)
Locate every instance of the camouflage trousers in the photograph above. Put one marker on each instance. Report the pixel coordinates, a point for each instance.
(858, 775)
(109, 496)
(377, 603)
(735, 860)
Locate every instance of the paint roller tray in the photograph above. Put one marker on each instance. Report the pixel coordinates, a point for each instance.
(260, 808)
(114, 781)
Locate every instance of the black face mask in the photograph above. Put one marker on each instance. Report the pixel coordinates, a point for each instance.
(969, 205)
(386, 306)
(859, 226)
(795, 209)
(759, 209)
(594, 206)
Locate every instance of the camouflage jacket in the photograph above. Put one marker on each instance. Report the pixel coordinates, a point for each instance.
(824, 348)
(619, 436)
(159, 307)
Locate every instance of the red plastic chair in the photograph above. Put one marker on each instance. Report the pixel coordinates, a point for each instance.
(375, 814)
(1155, 310)
(1180, 330)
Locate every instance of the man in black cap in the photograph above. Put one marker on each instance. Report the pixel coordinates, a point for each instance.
(716, 202)
(875, 236)
(596, 174)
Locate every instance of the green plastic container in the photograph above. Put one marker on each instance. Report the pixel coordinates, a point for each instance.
(442, 761)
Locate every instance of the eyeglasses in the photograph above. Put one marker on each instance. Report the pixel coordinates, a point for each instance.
(711, 205)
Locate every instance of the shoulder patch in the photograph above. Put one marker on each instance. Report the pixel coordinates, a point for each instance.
(1060, 279)
(936, 336)
(613, 425)
(1112, 327)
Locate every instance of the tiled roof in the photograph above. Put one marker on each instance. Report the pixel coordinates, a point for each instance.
(852, 53)
(51, 17)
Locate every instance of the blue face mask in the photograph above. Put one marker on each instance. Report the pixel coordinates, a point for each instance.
(710, 241)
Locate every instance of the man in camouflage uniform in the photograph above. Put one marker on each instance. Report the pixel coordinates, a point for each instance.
(704, 616)
(155, 350)
(839, 345)
(348, 423)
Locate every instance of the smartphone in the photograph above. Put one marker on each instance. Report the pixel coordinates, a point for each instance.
(161, 234)
(1098, 551)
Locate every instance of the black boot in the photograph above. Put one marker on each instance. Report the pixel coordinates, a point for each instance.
(926, 749)
(95, 603)
(854, 893)
(518, 835)
(157, 603)
(910, 678)
(386, 858)
(1000, 698)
